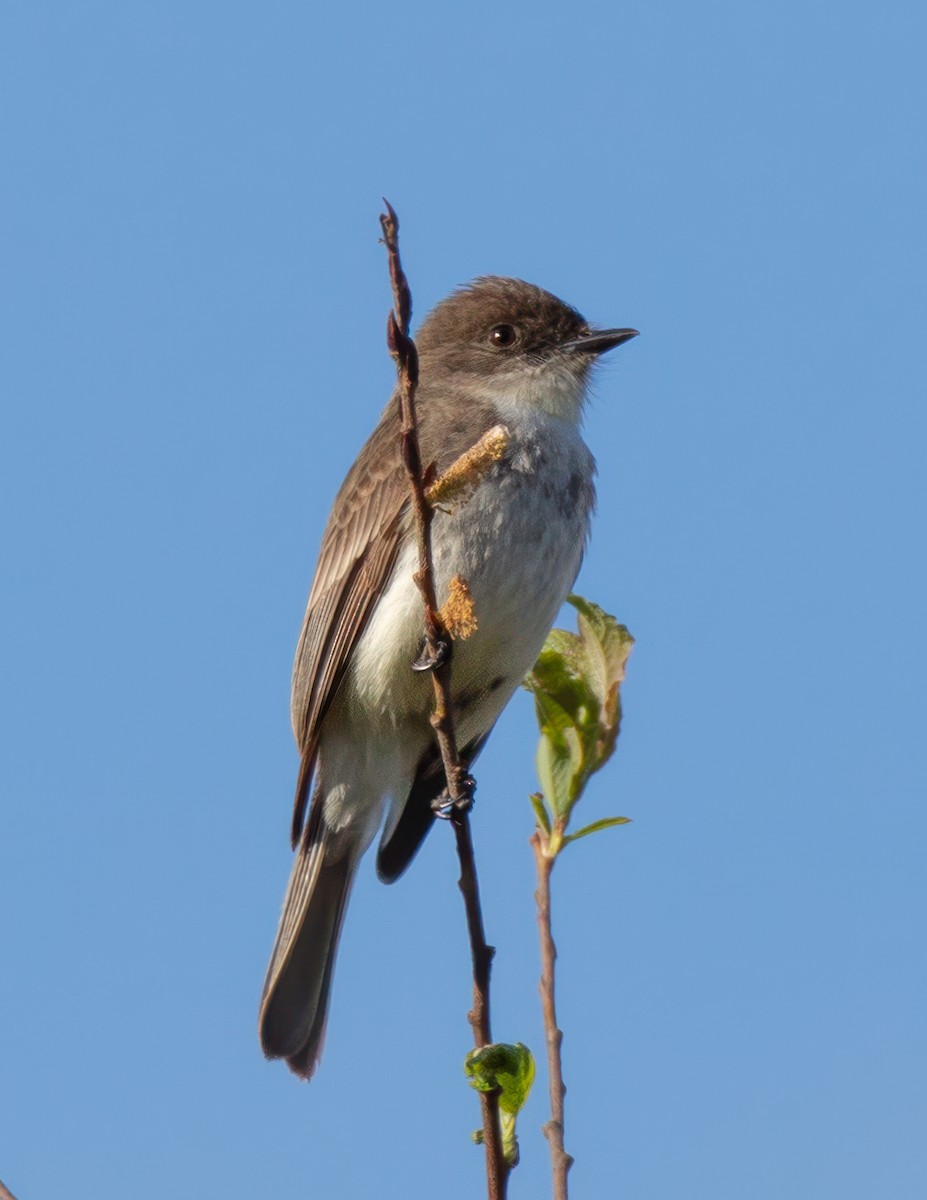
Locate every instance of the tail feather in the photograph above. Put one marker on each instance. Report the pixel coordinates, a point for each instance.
(295, 1000)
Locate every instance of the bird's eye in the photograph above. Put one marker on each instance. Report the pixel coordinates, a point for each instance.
(503, 336)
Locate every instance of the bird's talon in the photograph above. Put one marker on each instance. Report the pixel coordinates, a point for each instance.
(444, 807)
(430, 660)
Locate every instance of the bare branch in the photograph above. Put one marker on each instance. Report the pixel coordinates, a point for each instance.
(5, 1193)
(560, 1161)
(459, 783)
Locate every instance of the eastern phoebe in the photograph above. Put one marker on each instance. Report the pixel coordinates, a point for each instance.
(498, 351)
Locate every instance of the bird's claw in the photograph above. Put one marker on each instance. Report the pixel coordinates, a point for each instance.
(429, 659)
(445, 808)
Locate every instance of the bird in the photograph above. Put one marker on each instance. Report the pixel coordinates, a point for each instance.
(497, 351)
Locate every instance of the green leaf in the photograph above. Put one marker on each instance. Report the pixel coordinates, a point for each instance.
(560, 762)
(553, 767)
(503, 1065)
(558, 676)
(605, 823)
(607, 645)
(553, 716)
(540, 812)
(576, 685)
(510, 1068)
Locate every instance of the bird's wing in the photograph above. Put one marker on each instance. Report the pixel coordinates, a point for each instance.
(358, 551)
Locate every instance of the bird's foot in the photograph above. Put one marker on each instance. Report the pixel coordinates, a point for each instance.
(430, 659)
(445, 807)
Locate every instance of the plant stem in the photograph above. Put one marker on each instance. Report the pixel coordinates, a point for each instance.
(497, 1169)
(560, 1161)
(459, 783)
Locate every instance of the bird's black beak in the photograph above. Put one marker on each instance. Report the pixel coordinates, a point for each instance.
(599, 341)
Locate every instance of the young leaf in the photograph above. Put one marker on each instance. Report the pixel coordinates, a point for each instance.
(605, 823)
(540, 812)
(575, 683)
(511, 1069)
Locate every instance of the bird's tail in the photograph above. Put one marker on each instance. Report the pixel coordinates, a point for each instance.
(295, 1000)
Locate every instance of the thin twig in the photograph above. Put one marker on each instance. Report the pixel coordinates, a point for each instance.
(459, 783)
(560, 1161)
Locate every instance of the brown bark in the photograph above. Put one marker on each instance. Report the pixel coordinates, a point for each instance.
(459, 783)
(560, 1161)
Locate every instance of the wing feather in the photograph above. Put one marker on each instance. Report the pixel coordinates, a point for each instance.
(359, 550)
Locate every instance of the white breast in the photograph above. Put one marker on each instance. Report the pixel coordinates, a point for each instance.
(518, 542)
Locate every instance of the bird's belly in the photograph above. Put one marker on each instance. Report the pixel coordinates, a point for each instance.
(519, 547)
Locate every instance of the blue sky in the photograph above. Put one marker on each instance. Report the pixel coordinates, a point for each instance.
(192, 346)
